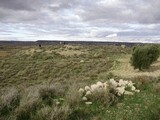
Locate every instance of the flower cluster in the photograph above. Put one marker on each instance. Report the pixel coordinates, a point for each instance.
(121, 87)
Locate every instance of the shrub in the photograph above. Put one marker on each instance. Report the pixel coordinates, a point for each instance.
(24, 112)
(43, 114)
(102, 97)
(157, 88)
(73, 98)
(144, 56)
(9, 101)
(49, 92)
(60, 113)
(79, 114)
(142, 82)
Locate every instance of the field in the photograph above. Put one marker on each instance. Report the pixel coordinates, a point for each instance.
(42, 83)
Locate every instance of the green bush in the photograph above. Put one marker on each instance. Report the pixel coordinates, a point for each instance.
(144, 56)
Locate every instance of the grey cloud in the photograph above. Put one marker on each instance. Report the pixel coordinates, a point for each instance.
(125, 12)
(15, 4)
(78, 18)
(144, 11)
(29, 5)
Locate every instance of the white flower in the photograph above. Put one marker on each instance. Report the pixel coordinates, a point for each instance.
(130, 84)
(88, 93)
(120, 90)
(133, 88)
(100, 84)
(113, 83)
(82, 61)
(137, 91)
(87, 88)
(84, 98)
(126, 82)
(61, 99)
(111, 80)
(57, 103)
(105, 85)
(81, 90)
(94, 87)
(88, 103)
(122, 82)
(106, 82)
(128, 93)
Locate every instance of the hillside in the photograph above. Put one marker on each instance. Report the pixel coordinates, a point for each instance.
(56, 72)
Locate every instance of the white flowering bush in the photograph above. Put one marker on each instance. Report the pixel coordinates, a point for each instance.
(101, 91)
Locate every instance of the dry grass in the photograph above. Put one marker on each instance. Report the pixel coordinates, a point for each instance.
(157, 88)
(4, 53)
(66, 50)
(24, 112)
(69, 50)
(31, 51)
(72, 46)
(9, 100)
(44, 113)
(125, 70)
(60, 113)
(73, 97)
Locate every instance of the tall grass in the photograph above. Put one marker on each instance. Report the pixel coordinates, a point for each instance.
(9, 100)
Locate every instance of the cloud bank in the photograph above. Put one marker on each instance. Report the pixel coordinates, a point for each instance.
(100, 20)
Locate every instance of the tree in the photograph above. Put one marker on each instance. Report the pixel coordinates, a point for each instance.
(144, 56)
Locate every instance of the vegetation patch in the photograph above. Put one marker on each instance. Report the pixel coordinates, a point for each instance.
(4, 54)
(9, 100)
(124, 69)
(69, 50)
(104, 92)
(51, 86)
(144, 56)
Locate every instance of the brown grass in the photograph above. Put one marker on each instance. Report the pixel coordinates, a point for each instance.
(66, 50)
(4, 53)
(73, 97)
(157, 88)
(69, 50)
(9, 100)
(31, 51)
(60, 113)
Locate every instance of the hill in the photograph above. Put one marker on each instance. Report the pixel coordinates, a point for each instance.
(42, 83)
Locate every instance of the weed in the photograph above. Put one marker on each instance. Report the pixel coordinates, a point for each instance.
(24, 112)
(43, 114)
(73, 98)
(79, 114)
(47, 94)
(60, 113)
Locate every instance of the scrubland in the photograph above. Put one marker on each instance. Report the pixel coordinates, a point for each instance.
(44, 84)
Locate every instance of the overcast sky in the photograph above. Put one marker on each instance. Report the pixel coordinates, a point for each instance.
(107, 20)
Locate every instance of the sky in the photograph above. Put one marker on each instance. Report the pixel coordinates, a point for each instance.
(88, 20)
